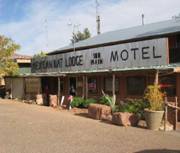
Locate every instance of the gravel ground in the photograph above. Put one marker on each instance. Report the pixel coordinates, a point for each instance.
(28, 128)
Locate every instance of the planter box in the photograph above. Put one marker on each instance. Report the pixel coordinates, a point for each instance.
(98, 111)
(39, 99)
(125, 119)
(53, 100)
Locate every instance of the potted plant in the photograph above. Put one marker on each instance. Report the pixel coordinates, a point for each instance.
(154, 114)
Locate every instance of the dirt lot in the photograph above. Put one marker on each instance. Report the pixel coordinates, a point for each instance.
(28, 128)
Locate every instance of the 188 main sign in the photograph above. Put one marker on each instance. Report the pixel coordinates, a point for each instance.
(129, 55)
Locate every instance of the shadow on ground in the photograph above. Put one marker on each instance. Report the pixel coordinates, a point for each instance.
(159, 151)
(82, 115)
(106, 121)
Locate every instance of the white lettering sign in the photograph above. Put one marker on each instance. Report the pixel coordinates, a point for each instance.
(129, 55)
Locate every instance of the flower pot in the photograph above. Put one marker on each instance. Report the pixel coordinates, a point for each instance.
(125, 119)
(153, 119)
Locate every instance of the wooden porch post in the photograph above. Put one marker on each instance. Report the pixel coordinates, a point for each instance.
(24, 88)
(86, 86)
(176, 113)
(165, 114)
(156, 81)
(11, 94)
(113, 88)
(59, 90)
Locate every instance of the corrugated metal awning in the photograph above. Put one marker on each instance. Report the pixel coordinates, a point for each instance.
(169, 68)
(174, 68)
(51, 74)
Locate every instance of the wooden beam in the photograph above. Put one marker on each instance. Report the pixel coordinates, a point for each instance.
(113, 88)
(24, 88)
(11, 94)
(165, 114)
(59, 90)
(156, 81)
(86, 87)
(176, 113)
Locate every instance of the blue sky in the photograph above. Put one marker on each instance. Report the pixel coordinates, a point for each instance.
(44, 24)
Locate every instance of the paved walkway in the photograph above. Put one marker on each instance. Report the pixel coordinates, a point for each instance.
(28, 128)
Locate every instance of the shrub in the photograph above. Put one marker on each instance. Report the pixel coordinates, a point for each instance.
(135, 106)
(106, 100)
(77, 102)
(81, 103)
(155, 97)
(116, 108)
(89, 101)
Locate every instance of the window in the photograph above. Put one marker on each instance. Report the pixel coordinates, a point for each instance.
(178, 41)
(108, 84)
(168, 85)
(174, 51)
(92, 85)
(136, 85)
(174, 55)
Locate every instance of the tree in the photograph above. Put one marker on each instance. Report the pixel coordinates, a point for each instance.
(81, 35)
(40, 54)
(7, 50)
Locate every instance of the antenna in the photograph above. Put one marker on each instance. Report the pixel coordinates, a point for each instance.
(46, 32)
(142, 19)
(98, 17)
(74, 27)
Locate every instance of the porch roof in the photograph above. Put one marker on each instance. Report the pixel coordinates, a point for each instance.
(174, 68)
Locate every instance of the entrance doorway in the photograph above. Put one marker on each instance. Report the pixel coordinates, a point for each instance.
(72, 86)
(49, 87)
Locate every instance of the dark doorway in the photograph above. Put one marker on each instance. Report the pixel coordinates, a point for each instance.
(72, 85)
(49, 87)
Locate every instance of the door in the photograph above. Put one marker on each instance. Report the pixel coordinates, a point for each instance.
(72, 86)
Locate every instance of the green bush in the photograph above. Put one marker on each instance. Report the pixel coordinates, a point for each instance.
(135, 106)
(81, 103)
(87, 102)
(77, 102)
(116, 108)
(106, 100)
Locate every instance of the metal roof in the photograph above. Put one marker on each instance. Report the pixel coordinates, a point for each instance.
(138, 32)
(19, 56)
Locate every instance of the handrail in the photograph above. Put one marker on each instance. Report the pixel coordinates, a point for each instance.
(166, 112)
(172, 106)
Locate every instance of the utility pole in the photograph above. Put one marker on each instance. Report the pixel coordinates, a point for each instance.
(98, 18)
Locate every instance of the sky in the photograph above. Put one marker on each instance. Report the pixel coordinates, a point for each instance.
(46, 25)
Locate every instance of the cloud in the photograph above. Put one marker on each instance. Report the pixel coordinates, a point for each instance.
(46, 22)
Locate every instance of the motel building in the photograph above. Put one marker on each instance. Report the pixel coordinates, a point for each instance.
(122, 63)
